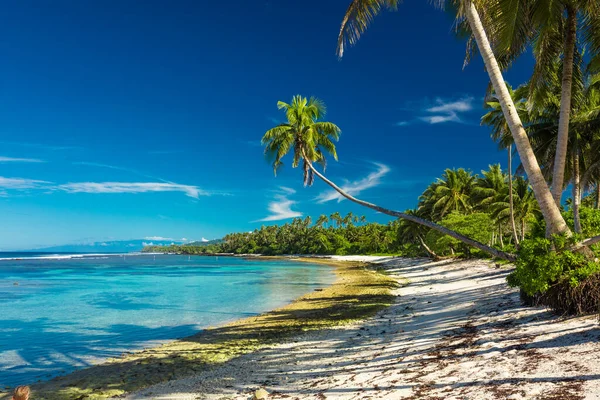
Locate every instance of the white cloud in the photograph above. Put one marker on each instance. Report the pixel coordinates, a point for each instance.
(287, 190)
(444, 106)
(442, 111)
(21, 183)
(440, 119)
(21, 160)
(157, 238)
(356, 187)
(281, 207)
(203, 240)
(132, 187)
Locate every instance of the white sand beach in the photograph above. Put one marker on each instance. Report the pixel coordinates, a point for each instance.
(456, 331)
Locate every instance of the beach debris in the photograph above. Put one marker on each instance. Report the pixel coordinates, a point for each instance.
(260, 394)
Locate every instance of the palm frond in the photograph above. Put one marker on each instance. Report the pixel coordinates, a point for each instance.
(358, 16)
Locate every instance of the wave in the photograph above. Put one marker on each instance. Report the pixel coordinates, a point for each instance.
(49, 256)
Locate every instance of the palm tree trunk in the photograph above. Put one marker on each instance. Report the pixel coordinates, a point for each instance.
(511, 205)
(522, 229)
(427, 249)
(421, 221)
(576, 188)
(548, 207)
(560, 158)
(500, 236)
(598, 196)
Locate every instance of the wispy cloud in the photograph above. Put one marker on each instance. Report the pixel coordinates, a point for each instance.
(442, 111)
(19, 160)
(132, 187)
(22, 183)
(281, 207)
(356, 187)
(156, 238)
(40, 145)
(444, 106)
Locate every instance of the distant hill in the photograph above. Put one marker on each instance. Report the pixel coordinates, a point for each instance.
(115, 246)
(205, 243)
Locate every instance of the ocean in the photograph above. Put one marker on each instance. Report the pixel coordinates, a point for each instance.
(61, 312)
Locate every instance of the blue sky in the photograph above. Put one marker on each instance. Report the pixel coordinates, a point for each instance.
(123, 120)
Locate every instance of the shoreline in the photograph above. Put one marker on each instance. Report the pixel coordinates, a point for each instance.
(455, 331)
(356, 293)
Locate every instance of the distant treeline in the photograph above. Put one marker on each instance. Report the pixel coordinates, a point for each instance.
(334, 234)
(474, 205)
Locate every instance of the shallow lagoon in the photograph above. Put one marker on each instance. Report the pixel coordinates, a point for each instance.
(60, 314)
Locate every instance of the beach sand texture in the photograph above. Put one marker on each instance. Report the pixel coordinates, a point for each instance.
(456, 331)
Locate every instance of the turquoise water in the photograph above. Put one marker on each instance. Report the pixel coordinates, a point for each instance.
(58, 314)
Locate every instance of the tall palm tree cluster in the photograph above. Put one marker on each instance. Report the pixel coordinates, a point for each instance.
(459, 191)
(553, 124)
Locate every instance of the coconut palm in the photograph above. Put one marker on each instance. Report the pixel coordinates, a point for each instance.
(453, 192)
(322, 220)
(489, 186)
(304, 135)
(553, 27)
(525, 205)
(501, 134)
(356, 20)
(583, 152)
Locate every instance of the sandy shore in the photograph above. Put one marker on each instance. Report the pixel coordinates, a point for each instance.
(456, 331)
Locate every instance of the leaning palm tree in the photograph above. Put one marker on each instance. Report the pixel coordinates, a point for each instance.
(356, 20)
(303, 133)
(554, 29)
(308, 138)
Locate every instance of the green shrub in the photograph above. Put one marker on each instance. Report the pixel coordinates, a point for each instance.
(590, 220)
(539, 266)
(477, 226)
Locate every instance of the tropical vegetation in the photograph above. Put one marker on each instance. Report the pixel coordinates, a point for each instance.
(553, 121)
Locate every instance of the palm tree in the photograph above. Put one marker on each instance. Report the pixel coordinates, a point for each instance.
(552, 27)
(322, 220)
(336, 218)
(453, 192)
(305, 135)
(356, 20)
(501, 134)
(489, 186)
(525, 205)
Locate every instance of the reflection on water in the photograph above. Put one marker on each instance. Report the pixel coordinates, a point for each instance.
(58, 315)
